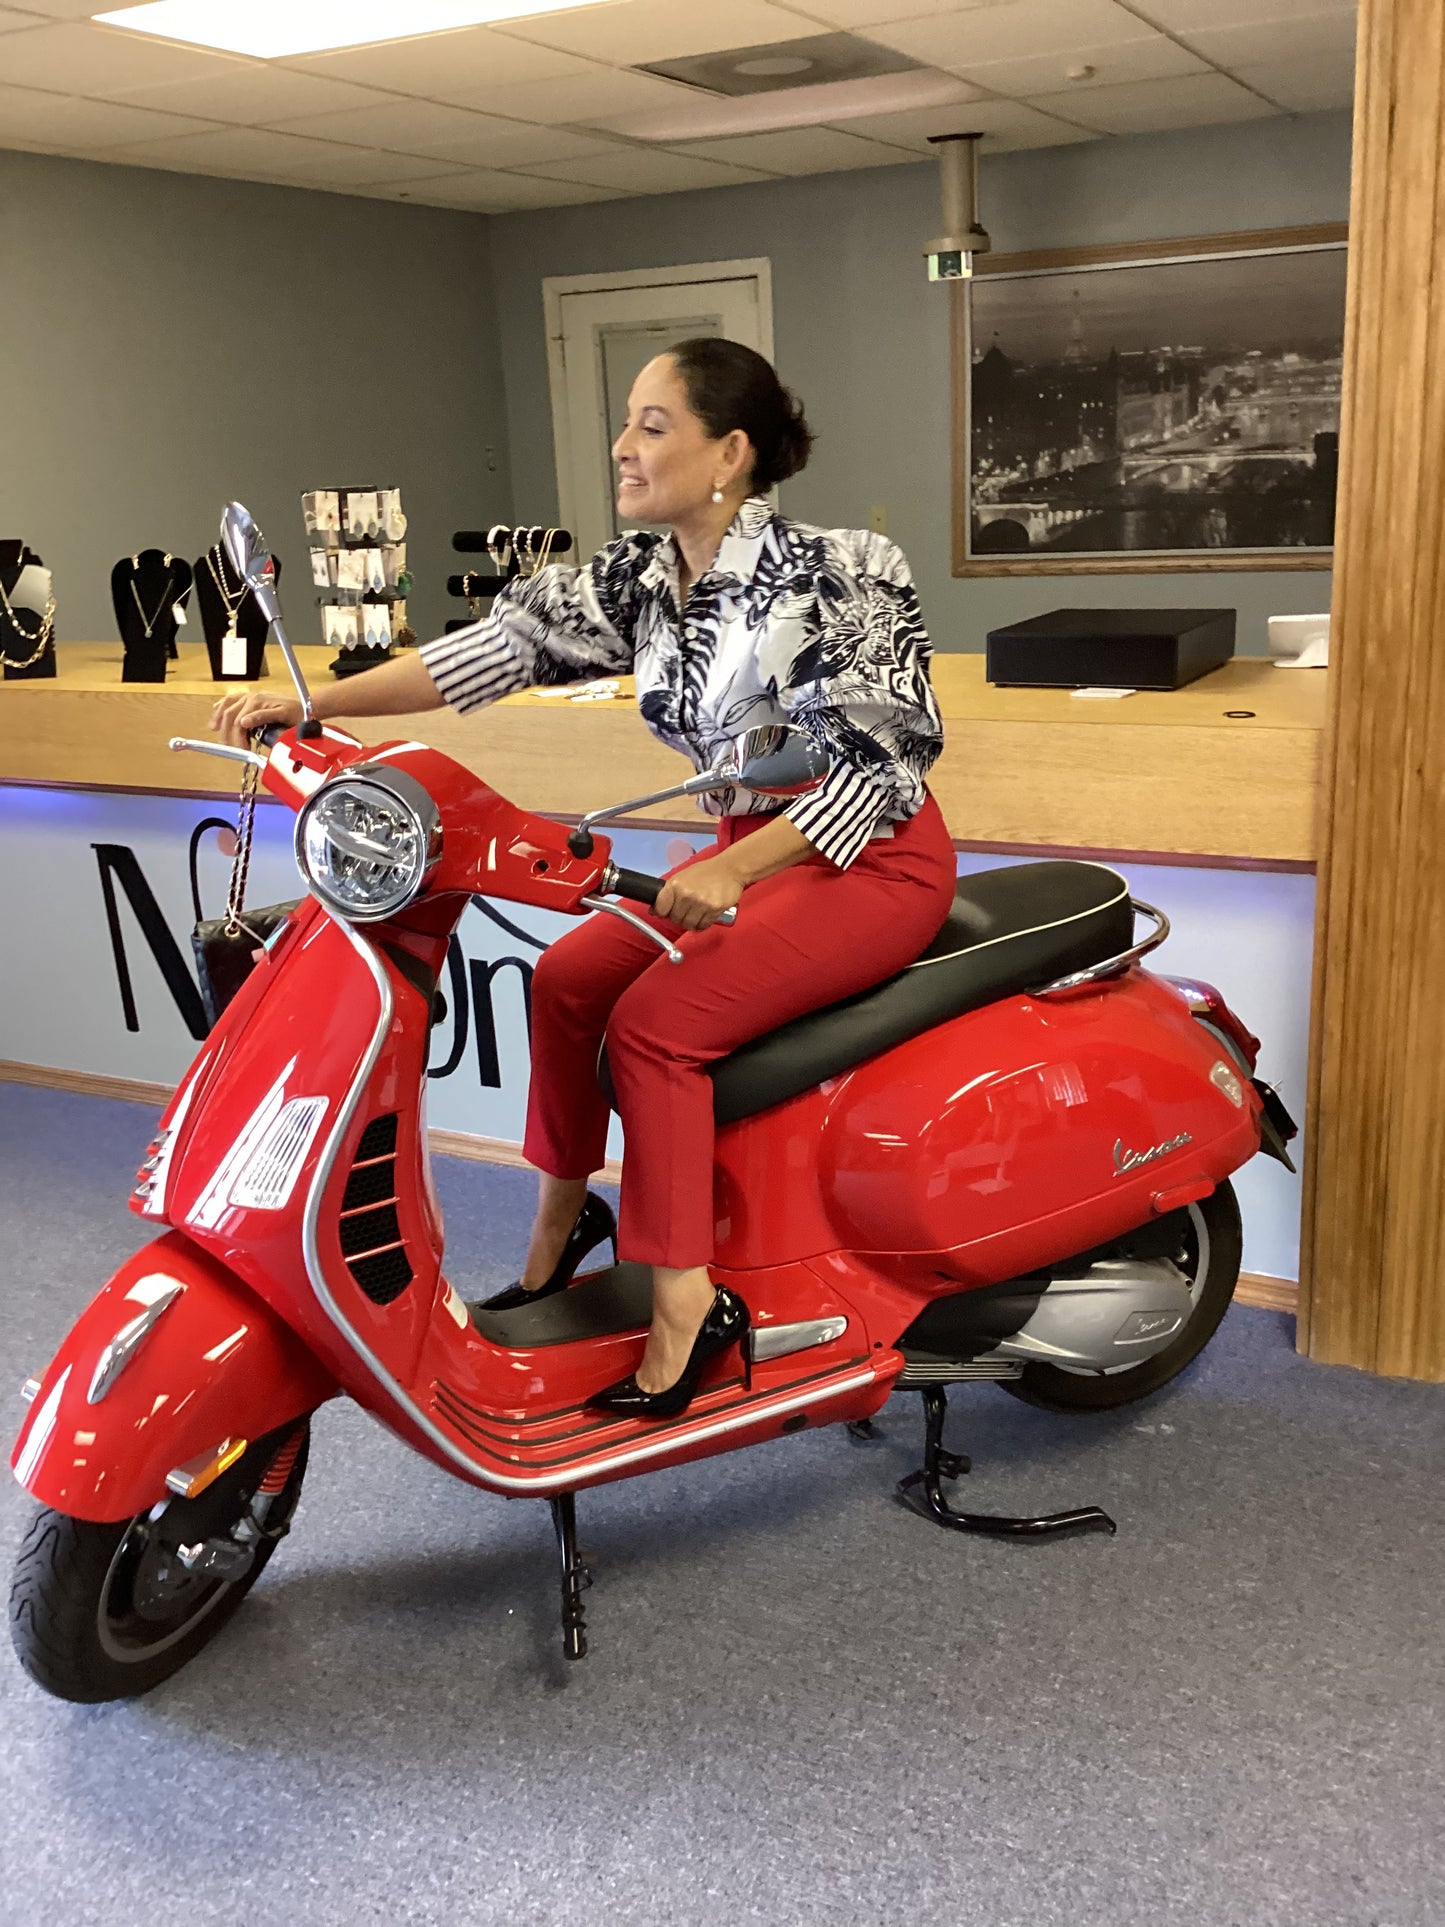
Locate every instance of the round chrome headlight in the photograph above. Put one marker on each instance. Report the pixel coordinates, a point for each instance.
(366, 842)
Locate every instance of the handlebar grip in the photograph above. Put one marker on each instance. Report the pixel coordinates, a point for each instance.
(642, 888)
(270, 735)
(637, 885)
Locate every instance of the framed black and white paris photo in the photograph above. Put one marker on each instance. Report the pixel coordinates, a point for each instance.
(1170, 405)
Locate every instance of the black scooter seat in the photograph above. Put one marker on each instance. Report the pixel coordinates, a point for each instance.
(618, 1299)
(1009, 931)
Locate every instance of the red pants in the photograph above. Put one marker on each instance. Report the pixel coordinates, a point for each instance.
(805, 937)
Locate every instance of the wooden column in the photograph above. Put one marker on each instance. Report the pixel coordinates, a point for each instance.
(1373, 1259)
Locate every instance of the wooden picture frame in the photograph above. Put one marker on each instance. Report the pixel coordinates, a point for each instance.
(1227, 412)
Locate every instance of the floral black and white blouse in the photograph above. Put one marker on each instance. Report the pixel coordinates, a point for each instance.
(820, 628)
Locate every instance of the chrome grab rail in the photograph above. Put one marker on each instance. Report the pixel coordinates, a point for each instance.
(1111, 966)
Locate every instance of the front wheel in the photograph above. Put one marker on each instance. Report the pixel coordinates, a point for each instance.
(107, 1611)
(1211, 1249)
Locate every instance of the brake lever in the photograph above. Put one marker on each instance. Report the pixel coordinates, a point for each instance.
(669, 950)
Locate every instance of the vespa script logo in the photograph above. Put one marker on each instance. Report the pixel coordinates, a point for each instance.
(1126, 1161)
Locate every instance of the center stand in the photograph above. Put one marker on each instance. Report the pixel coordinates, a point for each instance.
(922, 1491)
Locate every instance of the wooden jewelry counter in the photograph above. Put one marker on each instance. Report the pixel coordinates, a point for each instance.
(1223, 773)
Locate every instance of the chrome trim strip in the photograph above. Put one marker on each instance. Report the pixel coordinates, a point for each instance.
(543, 1482)
(781, 1341)
(127, 1342)
(1111, 966)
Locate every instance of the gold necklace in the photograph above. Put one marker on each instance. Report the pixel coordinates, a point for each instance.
(41, 637)
(135, 597)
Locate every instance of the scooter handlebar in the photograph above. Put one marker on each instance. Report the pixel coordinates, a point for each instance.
(641, 888)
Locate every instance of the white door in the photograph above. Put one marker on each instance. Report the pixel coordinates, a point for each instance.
(601, 331)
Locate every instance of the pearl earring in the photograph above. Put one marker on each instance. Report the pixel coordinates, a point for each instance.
(717, 495)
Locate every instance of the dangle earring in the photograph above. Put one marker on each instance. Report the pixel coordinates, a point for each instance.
(717, 494)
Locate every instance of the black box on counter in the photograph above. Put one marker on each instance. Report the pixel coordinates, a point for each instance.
(1110, 648)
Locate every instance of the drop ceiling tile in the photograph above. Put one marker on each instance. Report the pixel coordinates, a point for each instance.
(861, 14)
(590, 96)
(960, 41)
(252, 94)
(1312, 85)
(75, 57)
(637, 171)
(1185, 16)
(1303, 39)
(61, 122)
(1005, 124)
(629, 31)
(1156, 58)
(469, 67)
(488, 191)
(390, 121)
(505, 143)
(65, 9)
(801, 150)
(262, 153)
(1148, 107)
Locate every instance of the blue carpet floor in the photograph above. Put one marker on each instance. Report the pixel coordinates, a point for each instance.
(803, 1705)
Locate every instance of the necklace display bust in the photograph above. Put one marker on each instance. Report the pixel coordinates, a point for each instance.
(235, 629)
(146, 590)
(27, 614)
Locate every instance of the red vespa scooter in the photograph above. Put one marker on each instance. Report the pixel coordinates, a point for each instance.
(1008, 1162)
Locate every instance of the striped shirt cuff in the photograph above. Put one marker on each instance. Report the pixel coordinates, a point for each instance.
(472, 667)
(840, 815)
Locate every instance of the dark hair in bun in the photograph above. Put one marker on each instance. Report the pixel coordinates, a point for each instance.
(730, 386)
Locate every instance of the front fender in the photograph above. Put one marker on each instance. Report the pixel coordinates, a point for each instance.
(216, 1364)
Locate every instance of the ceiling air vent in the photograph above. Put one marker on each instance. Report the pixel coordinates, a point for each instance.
(810, 62)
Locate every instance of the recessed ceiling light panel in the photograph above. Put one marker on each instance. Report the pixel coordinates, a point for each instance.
(272, 29)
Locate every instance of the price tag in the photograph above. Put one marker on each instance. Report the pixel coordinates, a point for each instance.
(233, 653)
(178, 611)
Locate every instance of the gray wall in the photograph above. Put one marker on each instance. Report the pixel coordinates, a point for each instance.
(863, 336)
(168, 341)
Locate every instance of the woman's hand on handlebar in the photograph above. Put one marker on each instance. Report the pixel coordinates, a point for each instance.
(697, 896)
(236, 718)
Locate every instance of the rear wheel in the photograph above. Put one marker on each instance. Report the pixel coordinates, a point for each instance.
(107, 1611)
(1211, 1248)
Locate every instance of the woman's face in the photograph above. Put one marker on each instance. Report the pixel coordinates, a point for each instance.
(668, 465)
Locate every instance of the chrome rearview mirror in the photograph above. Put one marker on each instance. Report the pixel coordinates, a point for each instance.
(776, 760)
(245, 549)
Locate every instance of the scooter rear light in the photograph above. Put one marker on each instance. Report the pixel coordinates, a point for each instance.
(1208, 1005)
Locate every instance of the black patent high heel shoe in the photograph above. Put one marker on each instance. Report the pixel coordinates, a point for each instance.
(595, 1225)
(726, 1324)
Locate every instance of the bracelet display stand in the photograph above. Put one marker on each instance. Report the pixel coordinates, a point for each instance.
(149, 592)
(27, 614)
(358, 564)
(513, 551)
(234, 626)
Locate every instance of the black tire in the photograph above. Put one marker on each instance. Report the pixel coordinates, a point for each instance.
(1215, 1234)
(106, 1612)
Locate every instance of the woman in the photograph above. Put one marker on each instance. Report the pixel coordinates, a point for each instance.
(737, 618)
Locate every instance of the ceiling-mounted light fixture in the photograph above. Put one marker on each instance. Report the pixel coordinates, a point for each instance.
(273, 29)
(950, 257)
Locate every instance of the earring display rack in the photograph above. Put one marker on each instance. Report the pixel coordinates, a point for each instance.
(357, 539)
(513, 552)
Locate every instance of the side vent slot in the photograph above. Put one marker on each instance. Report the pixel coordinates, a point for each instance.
(368, 1229)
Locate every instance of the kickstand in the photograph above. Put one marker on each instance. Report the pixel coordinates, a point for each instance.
(575, 1576)
(921, 1491)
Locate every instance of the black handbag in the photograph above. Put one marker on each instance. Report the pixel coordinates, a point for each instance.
(226, 947)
